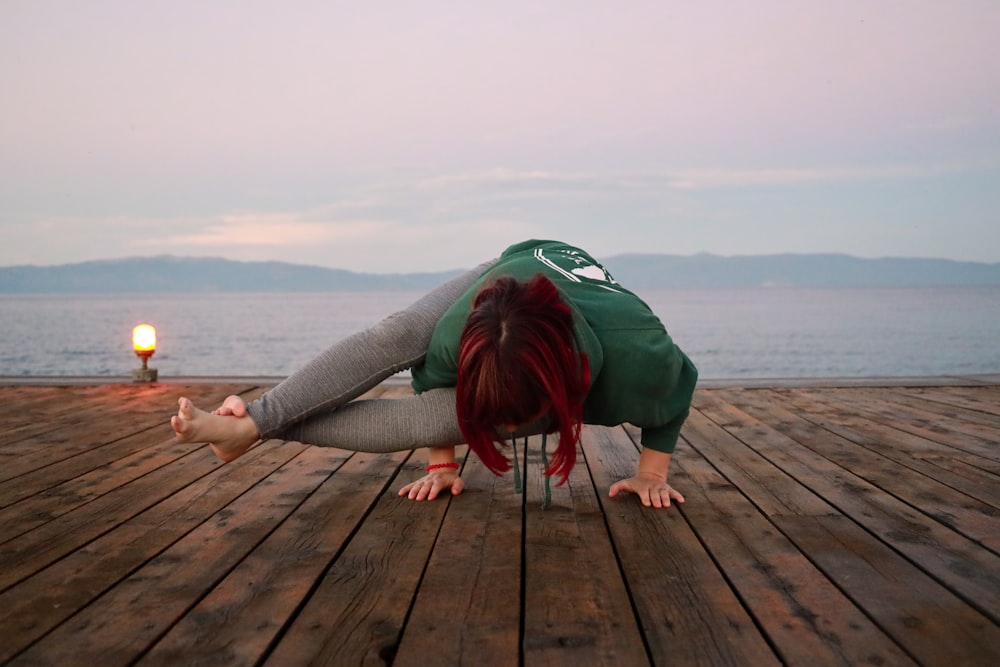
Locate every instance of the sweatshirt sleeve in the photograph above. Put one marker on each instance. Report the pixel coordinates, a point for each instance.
(663, 438)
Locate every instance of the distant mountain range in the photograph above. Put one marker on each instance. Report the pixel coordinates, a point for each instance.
(642, 271)
(189, 274)
(636, 271)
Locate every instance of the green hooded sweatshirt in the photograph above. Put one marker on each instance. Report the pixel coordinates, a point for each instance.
(637, 374)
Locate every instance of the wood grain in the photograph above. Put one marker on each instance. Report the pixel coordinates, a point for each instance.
(824, 524)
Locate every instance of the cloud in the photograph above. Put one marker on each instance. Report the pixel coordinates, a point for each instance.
(424, 218)
(334, 235)
(510, 179)
(693, 179)
(277, 229)
(509, 183)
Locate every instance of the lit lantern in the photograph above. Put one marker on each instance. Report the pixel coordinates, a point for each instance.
(144, 344)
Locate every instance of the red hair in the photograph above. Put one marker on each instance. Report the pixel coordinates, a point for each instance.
(517, 362)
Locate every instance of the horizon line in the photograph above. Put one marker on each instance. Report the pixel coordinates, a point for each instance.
(130, 258)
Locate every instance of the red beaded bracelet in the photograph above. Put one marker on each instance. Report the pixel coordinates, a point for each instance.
(438, 466)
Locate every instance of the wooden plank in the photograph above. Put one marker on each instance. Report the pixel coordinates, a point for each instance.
(927, 619)
(93, 426)
(965, 567)
(356, 614)
(79, 407)
(31, 410)
(468, 608)
(957, 417)
(22, 403)
(37, 548)
(43, 541)
(23, 512)
(806, 618)
(760, 478)
(980, 399)
(795, 544)
(933, 430)
(576, 606)
(119, 626)
(933, 421)
(90, 565)
(37, 424)
(242, 616)
(977, 454)
(894, 439)
(972, 475)
(980, 483)
(688, 612)
(880, 456)
(70, 481)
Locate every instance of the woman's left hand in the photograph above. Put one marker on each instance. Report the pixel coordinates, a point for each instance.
(652, 490)
(430, 485)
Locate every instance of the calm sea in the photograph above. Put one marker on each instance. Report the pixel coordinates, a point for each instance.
(729, 333)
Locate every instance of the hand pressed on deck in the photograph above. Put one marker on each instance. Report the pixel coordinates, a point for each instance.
(650, 481)
(652, 491)
(442, 473)
(433, 483)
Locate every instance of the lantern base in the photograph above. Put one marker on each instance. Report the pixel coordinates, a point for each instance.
(143, 375)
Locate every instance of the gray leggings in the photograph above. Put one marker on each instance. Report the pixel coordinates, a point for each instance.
(315, 404)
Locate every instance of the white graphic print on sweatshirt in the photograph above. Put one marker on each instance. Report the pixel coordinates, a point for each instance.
(577, 267)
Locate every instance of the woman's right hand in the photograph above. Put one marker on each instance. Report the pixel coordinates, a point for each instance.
(430, 485)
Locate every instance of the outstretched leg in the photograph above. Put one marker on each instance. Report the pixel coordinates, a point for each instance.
(357, 363)
(229, 435)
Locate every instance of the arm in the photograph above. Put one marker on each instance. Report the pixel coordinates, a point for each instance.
(658, 442)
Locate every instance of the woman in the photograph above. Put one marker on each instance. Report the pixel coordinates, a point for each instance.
(540, 340)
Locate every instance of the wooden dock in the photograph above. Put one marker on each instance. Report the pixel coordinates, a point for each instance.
(824, 525)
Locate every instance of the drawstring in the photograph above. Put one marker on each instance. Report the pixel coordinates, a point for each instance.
(545, 467)
(518, 485)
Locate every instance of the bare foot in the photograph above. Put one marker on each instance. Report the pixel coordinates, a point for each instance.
(229, 435)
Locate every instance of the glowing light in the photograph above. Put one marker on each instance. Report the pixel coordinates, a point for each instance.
(144, 344)
(144, 339)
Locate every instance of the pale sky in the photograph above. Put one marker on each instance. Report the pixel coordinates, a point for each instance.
(420, 136)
